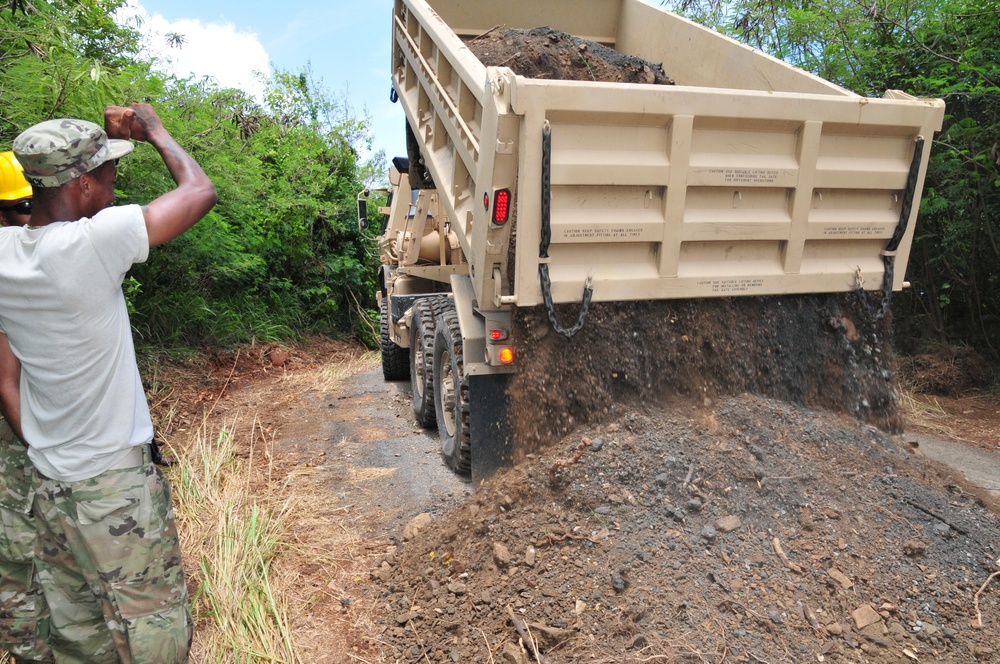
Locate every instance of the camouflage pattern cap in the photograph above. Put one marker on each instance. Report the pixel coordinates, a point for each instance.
(55, 151)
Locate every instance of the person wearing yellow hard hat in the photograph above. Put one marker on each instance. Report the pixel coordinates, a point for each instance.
(24, 623)
(15, 192)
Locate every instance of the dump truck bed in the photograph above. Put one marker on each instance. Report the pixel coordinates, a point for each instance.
(747, 177)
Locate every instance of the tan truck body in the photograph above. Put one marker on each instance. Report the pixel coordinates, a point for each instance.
(748, 177)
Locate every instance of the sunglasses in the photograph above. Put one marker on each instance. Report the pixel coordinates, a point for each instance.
(24, 207)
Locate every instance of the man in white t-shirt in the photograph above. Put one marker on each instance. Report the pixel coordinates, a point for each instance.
(108, 558)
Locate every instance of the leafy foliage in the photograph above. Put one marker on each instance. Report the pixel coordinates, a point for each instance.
(280, 255)
(928, 48)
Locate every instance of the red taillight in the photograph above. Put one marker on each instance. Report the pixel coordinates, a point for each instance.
(501, 206)
(497, 335)
(506, 356)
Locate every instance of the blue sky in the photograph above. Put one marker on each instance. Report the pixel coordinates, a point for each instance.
(345, 43)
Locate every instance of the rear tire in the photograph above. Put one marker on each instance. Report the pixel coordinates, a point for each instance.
(422, 361)
(395, 358)
(451, 394)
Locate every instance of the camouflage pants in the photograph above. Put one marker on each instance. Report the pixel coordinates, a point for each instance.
(109, 562)
(24, 625)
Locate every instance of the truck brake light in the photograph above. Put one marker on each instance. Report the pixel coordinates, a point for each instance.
(501, 206)
(498, 335)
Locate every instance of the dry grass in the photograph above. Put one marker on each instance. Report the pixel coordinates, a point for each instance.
(231, 534)
(276, 566)
(926, 413)
(972, 419)
(327, 377)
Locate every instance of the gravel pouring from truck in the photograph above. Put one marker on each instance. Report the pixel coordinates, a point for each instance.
(748, 177)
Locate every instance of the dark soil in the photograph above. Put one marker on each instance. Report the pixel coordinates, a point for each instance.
(554, 55)
(816, 350)
(751, 531)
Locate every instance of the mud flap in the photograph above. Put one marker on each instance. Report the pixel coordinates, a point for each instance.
(490, 431)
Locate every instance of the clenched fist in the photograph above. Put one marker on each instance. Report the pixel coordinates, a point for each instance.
(138, 122)
(118, 122)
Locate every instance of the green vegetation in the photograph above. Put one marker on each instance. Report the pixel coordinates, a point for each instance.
(280, 255)
(928, 48)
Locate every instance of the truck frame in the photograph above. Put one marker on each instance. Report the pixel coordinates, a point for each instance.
(748, 177)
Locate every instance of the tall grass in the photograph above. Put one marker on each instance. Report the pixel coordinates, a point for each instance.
(233, 524)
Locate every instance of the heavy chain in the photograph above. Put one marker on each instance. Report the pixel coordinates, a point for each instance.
(543, 247)
(889, 254)
(550, 308)
(865, 299)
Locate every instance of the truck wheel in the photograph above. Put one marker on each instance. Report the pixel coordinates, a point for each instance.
(395, 358)
(422, 362)
(451, 394)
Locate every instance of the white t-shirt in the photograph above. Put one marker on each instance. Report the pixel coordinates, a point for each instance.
(62, 308)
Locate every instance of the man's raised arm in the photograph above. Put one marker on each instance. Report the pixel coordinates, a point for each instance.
(178, 210)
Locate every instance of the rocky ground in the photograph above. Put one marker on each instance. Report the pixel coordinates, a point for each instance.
(751, 531)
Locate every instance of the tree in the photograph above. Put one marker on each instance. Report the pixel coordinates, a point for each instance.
(61, 59)
(281, 254)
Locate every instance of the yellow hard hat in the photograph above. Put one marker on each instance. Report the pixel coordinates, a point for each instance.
(13, 186)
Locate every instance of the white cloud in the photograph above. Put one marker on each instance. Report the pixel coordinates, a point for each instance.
(217, 50)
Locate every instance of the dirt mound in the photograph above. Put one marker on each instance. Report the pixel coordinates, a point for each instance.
(753, 531)
(547, 53)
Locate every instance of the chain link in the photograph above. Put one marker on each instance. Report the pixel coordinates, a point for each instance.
(865, 299)
(546, 238)
(550, 307)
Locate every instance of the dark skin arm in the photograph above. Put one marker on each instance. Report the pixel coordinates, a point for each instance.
(178, 210)
(10, 386)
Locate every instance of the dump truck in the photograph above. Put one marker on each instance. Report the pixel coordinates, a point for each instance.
(747, 177)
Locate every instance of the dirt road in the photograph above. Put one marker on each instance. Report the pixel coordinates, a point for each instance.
(750, 527)
(981, 467)
(381, 461)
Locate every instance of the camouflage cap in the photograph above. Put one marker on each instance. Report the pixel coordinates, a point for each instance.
(55, 151)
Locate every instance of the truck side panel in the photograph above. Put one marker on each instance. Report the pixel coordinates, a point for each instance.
(750, 178)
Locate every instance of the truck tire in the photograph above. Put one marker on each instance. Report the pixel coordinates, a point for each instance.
(422, 361)
(451, 394)
(395, 358)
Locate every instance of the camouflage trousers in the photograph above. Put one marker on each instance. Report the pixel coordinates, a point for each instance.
(24, 623)
(109, 562)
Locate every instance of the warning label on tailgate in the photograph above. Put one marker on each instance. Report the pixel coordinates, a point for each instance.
(733, 285)
(606, 233)
(854, 231)
(741, 177)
